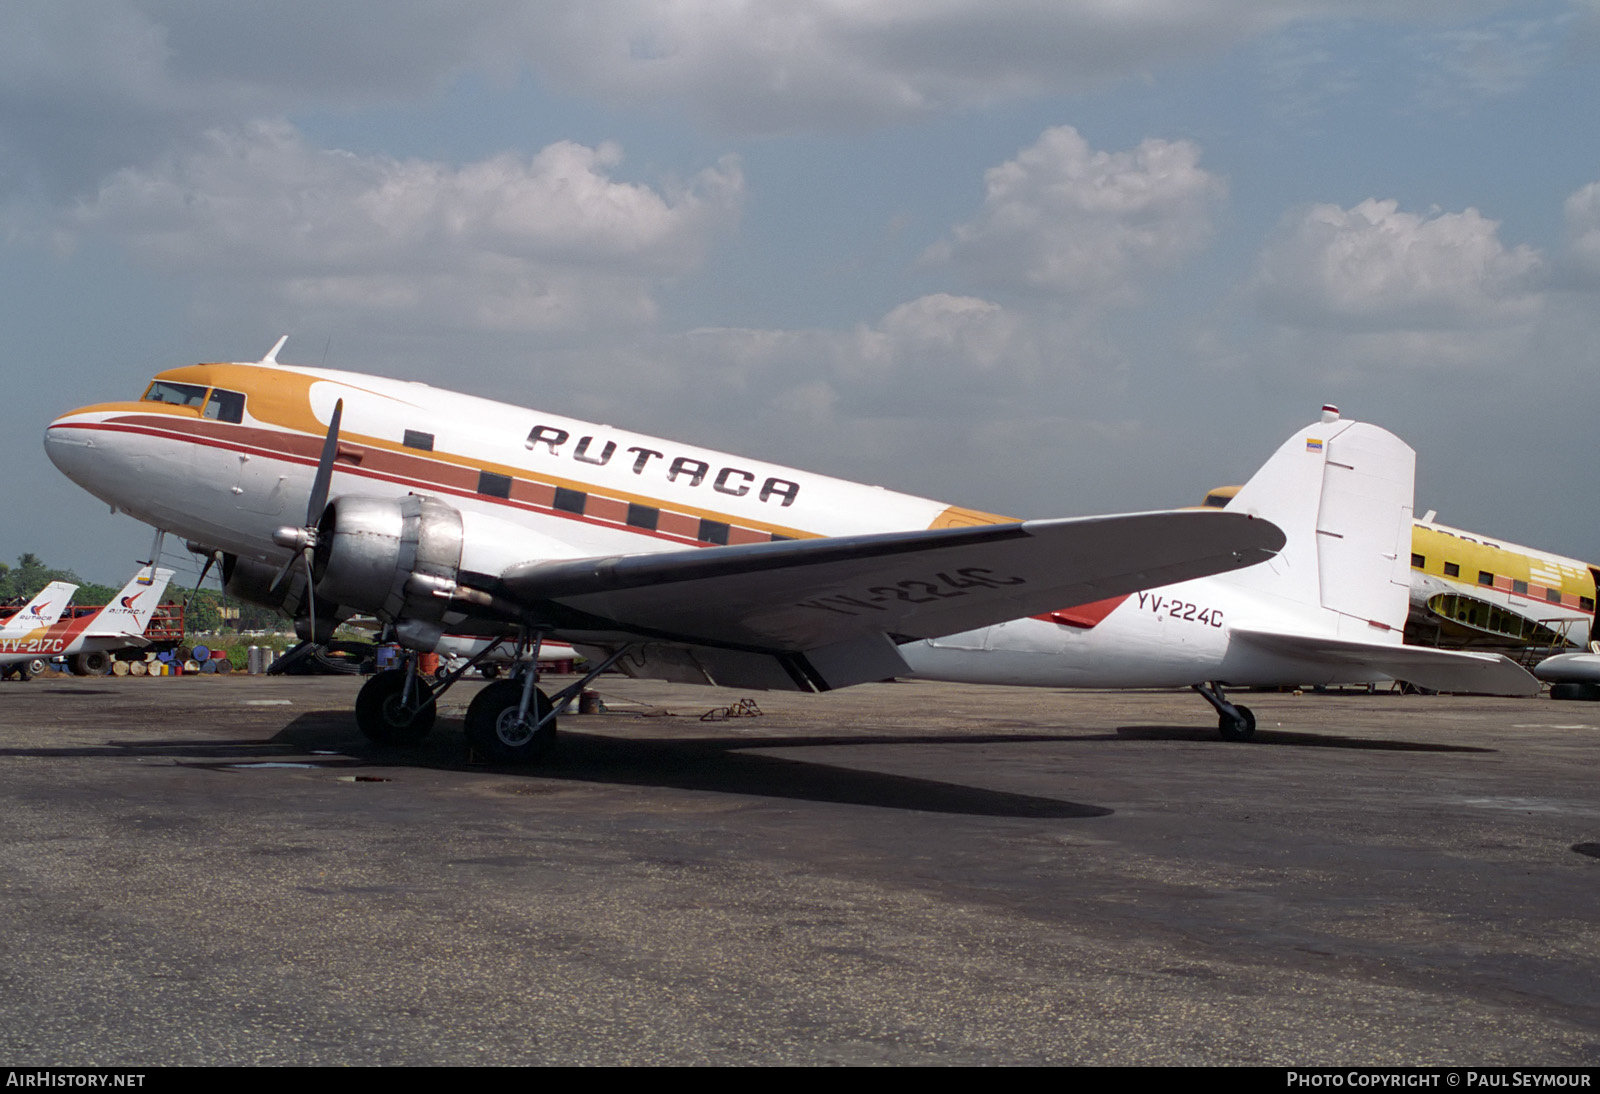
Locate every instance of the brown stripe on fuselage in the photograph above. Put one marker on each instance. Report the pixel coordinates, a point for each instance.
(444, 473)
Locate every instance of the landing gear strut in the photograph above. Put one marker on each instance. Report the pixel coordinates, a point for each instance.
(512, 721)
(1234, 720)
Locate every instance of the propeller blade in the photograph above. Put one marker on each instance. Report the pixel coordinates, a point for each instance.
(320, 484)
(311, 585)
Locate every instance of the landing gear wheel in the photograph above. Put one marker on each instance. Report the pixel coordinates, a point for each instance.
(1239, 728)
(37, 667)
(496, 733)
(384, 720)
(92, 663)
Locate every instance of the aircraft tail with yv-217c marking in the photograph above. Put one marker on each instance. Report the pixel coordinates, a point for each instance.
(39, 613)
(95, 633)
(1329, 608)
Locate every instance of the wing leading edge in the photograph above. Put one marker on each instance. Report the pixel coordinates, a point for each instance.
(832, 609)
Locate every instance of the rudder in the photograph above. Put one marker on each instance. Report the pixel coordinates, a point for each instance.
(1342, 493)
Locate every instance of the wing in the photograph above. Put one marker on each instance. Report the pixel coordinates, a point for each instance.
(831, 610)
(1439, 670)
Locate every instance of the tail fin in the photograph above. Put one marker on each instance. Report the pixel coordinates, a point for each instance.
(1342, 493)
(42, 611)
(128, 613)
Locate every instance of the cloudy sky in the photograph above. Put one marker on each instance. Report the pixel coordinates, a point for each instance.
(1041, 257)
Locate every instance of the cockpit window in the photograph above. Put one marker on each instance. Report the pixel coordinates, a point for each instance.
(225, 406)
(165, 391)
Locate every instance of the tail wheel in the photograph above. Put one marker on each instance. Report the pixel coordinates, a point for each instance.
(1238, 728)
(495, 731)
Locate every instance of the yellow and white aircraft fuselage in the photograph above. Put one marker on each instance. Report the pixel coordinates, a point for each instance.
(459, 515)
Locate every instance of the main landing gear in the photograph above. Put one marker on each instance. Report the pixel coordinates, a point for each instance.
(396, 707)
(1234, 720)
(508, 722)
(512, 721)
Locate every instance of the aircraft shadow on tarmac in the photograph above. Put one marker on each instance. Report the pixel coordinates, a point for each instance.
(712, 763)
(327, 739)
(1288, 737)
(718, 764)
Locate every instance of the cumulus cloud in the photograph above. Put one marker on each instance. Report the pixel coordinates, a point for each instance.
(548, 242)
(1066, 220)
(1375, 268)
(1583, 227)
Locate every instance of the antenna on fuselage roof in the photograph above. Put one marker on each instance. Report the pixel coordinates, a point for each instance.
(272, 354)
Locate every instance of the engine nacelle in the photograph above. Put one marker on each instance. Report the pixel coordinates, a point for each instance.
(253, 582)
(370, 550)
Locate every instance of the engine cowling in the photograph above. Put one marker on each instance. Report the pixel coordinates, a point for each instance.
(389, 557)
(254, 582)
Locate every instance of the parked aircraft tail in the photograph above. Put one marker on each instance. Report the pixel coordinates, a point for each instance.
(42, 611)
(1342, 493)
(128, 613)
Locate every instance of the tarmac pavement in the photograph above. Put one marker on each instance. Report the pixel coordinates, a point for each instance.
(206, 870)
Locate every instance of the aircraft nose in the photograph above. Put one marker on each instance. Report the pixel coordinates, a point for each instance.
(70, 443)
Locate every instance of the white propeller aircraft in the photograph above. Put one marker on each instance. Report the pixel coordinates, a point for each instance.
(453, 514)
(41, 612)
(120, 623)
(29, 623)
(456, 515)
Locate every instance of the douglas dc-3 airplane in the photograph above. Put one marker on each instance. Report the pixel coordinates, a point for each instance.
(454, 514)
(120, 623)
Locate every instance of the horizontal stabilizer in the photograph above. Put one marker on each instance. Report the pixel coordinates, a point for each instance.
(1569, 668)
(1438, 670)
(795, 596)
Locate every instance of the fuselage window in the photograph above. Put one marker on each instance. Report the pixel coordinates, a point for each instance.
(1485, 577)
(1553, 595)
(1519, 586)
(713, 531)
(225, 406)
(1451, 569)
(570, 501)
(643, 516)
(418, 439)
(491, 485)
(1418, 561)
(1586, 603)
(165, 391)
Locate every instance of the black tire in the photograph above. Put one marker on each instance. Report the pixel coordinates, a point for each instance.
(380, 717)
(92, 663)
(489, 672)
(36, 667)
(494, 732)
(1240, 728)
